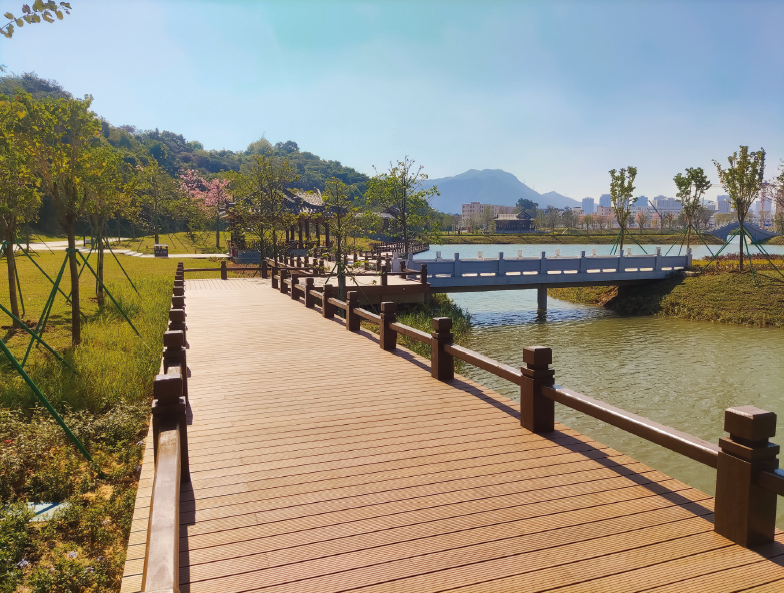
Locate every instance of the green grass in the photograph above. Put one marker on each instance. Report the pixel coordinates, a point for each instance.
(106, 404)
(420, 316)
(575, 237)
(721, 294)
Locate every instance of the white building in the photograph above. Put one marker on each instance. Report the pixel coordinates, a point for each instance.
(724, 205)
(477, 208)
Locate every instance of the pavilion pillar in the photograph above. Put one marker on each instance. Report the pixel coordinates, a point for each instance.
(318, 233)
(541, 298)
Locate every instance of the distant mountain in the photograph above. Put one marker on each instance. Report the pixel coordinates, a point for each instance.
(489, 186)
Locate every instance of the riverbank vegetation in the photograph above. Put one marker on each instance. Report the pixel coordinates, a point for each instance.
(105, 403)
(420, 316)
(572, 238)
(723, 293)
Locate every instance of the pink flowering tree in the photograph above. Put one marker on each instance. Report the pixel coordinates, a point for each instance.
(203, 197)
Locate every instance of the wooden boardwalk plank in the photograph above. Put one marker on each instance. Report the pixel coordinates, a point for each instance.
(321, 463)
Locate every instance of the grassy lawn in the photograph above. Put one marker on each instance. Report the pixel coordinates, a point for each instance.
(106, 403)
(721, 294)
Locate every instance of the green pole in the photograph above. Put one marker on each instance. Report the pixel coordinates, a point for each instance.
(60, 290)
(751, 265)
(726, 243)
(673, 244)
(37, 337)
(121, 267)
(110, 296)
(74, 439)
(47, 308)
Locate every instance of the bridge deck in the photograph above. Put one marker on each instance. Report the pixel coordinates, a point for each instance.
(321, 463)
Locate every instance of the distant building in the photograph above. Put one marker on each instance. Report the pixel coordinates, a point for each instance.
(710, 206)
(604, 211)
(588, 205)
(477, 208)
(506, 222)
(605, 200)
(723, 204)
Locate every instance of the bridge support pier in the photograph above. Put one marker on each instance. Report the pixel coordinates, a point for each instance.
(541, 298)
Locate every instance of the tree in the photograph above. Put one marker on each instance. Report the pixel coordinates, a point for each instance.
(474, 222)
(621, 190)
(553, 217)
(40, 11)
(528, 206)
(568, 218)
(400, 189)
(341, 216)
(59, 133)
(487, 220)
(109, 187)
(588, 221)
(20, 197)
(669, 218)
(642, 220)
(691, 188)
(742, 181)
(157, 192)
(259, 191)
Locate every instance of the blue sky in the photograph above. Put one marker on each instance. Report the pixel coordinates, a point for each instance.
(557, 93)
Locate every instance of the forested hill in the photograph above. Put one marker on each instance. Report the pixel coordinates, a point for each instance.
(174, 152)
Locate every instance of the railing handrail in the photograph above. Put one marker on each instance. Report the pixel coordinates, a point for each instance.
(743, 461)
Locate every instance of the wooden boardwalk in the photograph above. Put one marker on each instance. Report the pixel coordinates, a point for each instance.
(321, 463)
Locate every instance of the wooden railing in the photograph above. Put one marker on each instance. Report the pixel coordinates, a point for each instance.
(748, 479)
(170, 438)
(399, 247)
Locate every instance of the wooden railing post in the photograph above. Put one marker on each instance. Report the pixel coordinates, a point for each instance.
(282, 285)
(174, 353)
(169, 404)
(224, 274)
(745, 512)
(274, 271)
(537, 412)
(178, 302)
(310, 300)
(328, 309)
(177, 321)
(264, 270)
(294, 281)
(387, 337)
(423, 274)
(442, 364)
(352, 319)
(384, 277)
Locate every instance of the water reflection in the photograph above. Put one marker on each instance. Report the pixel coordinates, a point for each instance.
(680, 373)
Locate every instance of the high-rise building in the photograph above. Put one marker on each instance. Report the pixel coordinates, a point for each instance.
(588, 205)
(665, 204)
(723, 204)
(605, 200)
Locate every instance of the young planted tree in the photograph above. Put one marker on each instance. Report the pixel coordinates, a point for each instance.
(691, 188)
(20, 197)
(341, 216)
(258, 190)
(157, 192)
(642, 220)
(400, 189)
(742, 181)
(568, 219)
(110, 188)
(553, 217)
(58, 134)
(488, 224)
(202, 197)
(621, 190)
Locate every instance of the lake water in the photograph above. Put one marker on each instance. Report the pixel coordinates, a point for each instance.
(679, 373)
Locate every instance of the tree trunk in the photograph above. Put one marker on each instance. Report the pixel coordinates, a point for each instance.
(622, 237)
(217, 227)
(76, 326)
(688, 233)
(99, 292)
(11, 264)
(742, 236)
(155, 230)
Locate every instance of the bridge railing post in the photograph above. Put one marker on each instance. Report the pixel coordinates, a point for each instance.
(264, 270)
(746, 513)
(501, 270)
(456, 271)
(274, 271)
(224, 274)
(442, 364)
(310, 300)
(543, 263)
(294, 281)
(656, 262)
(583, 263)
(352, 319)
(387, 337)
(537, 412)
(282, 286)
(327, 308)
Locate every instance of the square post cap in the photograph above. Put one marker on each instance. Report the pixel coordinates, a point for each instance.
(750, 423)
(177, 315)
(537, 356)
(442, 324)
(173, 339)
(388, 307)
